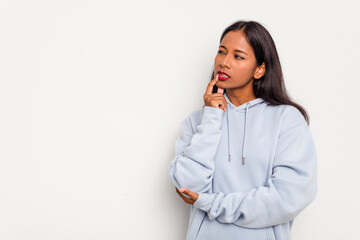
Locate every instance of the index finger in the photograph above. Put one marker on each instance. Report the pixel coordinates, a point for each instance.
(211, 85)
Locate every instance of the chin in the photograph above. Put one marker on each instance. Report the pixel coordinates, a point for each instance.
(219, 84)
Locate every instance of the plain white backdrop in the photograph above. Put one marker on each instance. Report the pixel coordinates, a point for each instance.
(92, 94)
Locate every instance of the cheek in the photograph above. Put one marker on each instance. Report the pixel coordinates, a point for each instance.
(247, 67)
(216, 59)
(244, 71)
(219, 58)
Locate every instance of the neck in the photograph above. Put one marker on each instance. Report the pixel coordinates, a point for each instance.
(238, 97)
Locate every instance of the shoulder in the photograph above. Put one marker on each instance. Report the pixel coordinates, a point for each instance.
(289, 118)
(293, 116)
(286, 113)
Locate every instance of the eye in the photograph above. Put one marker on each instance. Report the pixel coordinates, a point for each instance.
(239, 57)
(220, 51)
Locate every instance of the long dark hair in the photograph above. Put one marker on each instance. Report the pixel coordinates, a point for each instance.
(271, 86)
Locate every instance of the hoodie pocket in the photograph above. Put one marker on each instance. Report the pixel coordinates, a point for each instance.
(270, 233)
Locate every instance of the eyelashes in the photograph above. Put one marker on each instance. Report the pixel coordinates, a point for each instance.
(240, 57)
(236, 56)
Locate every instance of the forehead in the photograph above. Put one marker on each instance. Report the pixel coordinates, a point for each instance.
(236, 40)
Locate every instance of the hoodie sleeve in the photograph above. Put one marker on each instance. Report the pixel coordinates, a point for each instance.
(291, 187)
(193, 164)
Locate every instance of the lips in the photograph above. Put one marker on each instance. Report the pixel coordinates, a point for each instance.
(223, 76)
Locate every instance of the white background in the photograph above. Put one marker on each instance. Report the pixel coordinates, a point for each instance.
(92, 94)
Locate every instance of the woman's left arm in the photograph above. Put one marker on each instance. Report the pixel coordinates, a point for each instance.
(292, 186)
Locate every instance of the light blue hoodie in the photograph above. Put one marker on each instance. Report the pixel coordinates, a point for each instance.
(254, 167)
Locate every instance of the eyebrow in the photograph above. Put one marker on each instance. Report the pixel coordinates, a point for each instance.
(236, 50)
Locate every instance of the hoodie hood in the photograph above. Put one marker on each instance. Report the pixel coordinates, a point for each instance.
(242, 108)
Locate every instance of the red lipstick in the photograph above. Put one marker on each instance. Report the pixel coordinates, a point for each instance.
(223, 76)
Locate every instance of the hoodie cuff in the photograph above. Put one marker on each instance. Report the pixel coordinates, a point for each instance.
(203, 202)
(212, 115)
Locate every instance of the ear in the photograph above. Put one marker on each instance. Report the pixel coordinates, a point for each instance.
(260, 71)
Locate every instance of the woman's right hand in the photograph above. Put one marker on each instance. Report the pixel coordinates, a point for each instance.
(216, 100)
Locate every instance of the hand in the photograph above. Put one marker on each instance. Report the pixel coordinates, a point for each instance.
(216, 100)
(194, 196)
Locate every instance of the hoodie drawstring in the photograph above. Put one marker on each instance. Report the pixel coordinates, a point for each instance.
(228, 129)
(227, 112)
(246, 113)
(248, 105)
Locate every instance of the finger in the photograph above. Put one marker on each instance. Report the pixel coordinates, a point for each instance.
(189, 193)
(214, 98)
(216, 95)
(223, 106)
(211, 85)
(220, 90)
(182, 196)
(186, 199)
(184, 191)
(180, 192)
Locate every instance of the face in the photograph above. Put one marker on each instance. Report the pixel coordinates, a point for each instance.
(236, 58)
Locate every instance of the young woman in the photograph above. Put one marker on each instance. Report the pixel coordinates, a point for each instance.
(245, 162)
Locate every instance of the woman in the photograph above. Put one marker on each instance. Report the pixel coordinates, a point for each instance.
(245, 162)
